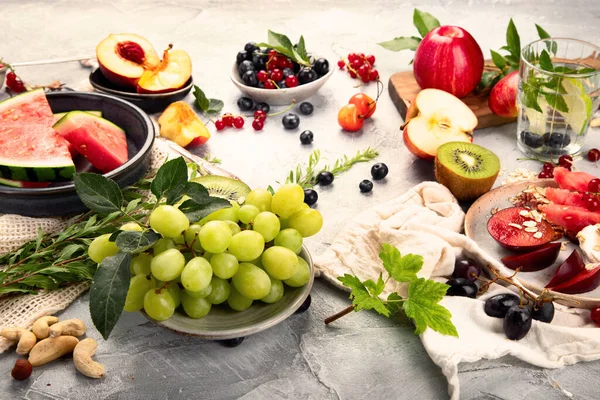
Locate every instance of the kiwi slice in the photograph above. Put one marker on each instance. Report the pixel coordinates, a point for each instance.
(467, 169)
(226, 188)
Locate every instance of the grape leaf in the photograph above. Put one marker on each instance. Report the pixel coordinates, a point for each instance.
(135, 242)
(401, 43)
(423, 308)
(98, 193)
(424, 22)
(402, 269)
(169, 175)
(361, 297)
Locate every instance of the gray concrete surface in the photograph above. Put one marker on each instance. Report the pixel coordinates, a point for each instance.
(362, 356)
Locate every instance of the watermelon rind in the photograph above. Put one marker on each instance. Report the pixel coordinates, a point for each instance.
(58, 116)
(23, 184)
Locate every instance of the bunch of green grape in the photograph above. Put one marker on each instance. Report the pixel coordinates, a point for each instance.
(233, 256)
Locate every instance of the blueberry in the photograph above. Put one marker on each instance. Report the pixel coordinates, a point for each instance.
(557, 140)
(517, 322)
(306, 108)
(249, 78)
(245, 66)
(310, 196)
(498, 305)
(365, 186)
(260, 85)
(306, 137)
(287, 72)
(321, 66)
(241, 56)
(296, 67)
(306, 75)
(531, 139)
(379, 171)
(259, 60)
(250, 47)
(245, 104)
(263, 107)
(281, 84)
(325, 178)
(545, 313)
(461, 287)
(290, 121)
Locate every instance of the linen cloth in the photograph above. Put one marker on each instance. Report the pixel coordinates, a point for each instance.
(427, 220)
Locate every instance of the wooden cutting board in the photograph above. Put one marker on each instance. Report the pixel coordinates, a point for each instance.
(403, 89)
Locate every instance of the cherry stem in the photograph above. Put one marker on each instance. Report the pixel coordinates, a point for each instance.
(339, 315)
(288, 108)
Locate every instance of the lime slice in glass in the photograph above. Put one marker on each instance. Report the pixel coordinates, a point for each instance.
(579, 103)
(537, 120)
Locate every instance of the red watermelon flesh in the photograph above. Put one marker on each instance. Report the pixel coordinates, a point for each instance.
(103, 143)
(565, 197)
(570, 217)
(27, 108)
(572, 180)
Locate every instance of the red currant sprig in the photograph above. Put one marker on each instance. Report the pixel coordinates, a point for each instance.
(228, 120)
(360, 66)
(260, 117)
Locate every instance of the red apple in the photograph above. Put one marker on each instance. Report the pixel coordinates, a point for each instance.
(503, 97)
(449, 59)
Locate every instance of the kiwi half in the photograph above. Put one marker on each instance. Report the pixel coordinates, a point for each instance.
(467, 169)
(226, 188)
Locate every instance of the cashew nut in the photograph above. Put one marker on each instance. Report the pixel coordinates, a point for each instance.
(70, 327)
(41, 326)
(50, 349)
(82, 357)
(26, 338)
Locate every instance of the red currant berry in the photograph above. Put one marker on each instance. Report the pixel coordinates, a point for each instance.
(291, 81)
(565, 161)
(14, 83)
(276, 74)
(596, 315)
(341, 64)
(270, 84)
(594, 185)
(352, 74)
(548, 167)
(272, 53)
(258, 124)
(262, 76)
(373, 75)
(227, 119)
(543, 175)
(365, 79)
(11, 77)
(371, 59)
(352, 57)
(260, 114)
(238, 122)
(272, 63)
(592, 203)
(219, 124)
(363, 71)
(361, 56)
(356, 64)
(592, 155)
(283, 63)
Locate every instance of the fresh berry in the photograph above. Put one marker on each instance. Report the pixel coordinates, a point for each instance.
(341, 64)
(324, 178)
(270, 84)
(260, 115)
(272, 53)
(365, 105)
(365, 186)
(591, 202)
(238, 122)
(517, 322)
(497, 306)
(219, 124)
(321, 66)
(281, 84)
(556, 140)
(263, 107)
(363, 71)
(467, 269)
(241, 57)
(14, 83)
(545, 313)
(461, 287)
(356, 64)
(365, 79)
(593, 155)
(290, 121)
(227, 120)
(250, 47)
(531, 139)
(350, 119)
(291, 81)
(276, 75)
(306, 75)
(310, 196)
(306, 137)
(306, 108)
(371, 59)
(352, 74)
(565, 161)
(249, 78)
(258, 124)
(595, 314)
(245, 103)
(594, 185)
(548, 167)
(262, 76)
(544, 175)
(246, 66)
(379, 171)
(374, 75)
(287, 72)
(272, 63)
(352, 57)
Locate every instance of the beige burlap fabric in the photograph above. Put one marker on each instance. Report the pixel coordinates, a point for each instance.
(15, 230)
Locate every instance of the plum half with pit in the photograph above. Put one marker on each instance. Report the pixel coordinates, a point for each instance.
(536, 260)
(513, 228)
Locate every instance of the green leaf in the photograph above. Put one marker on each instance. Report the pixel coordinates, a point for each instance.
(546, 62)
(196, 212)
(132, 205)
(513, 40)
(541, 32)
(394, 302)
(98, 193)
(361, 297)
(375, 288)
(169, 175)
(424, 22)
(499, 60)
(557, 102)
(488, 80)
(108, 292)
(402, 269)
(38, 239)
(271, 190)
(40, 281)
(401, 43)
(301, 48)
(197, 192)
(214, 106)
(175, 194)
(283, 45)
(278, 39)
(136, 242)
(202, 101)
(423, 308)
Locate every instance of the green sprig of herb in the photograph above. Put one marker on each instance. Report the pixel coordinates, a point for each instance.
(282, 44)
(206, 105)
(422, 303)
(213, 160)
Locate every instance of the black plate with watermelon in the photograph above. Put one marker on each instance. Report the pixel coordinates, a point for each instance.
(46, 138)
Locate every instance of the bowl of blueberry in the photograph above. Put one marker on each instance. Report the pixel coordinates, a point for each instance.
(267, 75)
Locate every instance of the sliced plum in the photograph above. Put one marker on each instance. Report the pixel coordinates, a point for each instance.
(572, 266)
(585, 281)
(509, 227)
(536, 260)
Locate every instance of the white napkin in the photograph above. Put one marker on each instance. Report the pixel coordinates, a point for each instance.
(427, 220)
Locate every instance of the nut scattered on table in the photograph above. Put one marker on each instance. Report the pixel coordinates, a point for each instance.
(21, 370)
(82, 358)
(41, 327)
(26, 339)
(70, 327)
(50, 349)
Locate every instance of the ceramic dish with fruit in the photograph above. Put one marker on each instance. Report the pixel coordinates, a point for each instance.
(548, 230)
(278, 72)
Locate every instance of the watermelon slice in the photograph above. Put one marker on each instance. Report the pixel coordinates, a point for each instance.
(103, 143)
(565, 197)
(570, 217)
(572, 180)
(24, 184)
(33, 153)
(28, 108)
(58, 116)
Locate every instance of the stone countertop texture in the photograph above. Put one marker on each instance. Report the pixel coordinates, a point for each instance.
(362, 356)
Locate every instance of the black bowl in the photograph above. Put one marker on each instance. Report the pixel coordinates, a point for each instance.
(151, 103)
(60, 199)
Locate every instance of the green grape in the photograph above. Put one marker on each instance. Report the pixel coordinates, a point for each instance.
(159, 304)
(236, 301)
(101, 247)
(215, 236)
(220, 290)
(138, 287)
(203, 293)
(224, 214)
(247, 245)
(163, 244)
(267, 224)
(167, 265)
(251, 281)
(131, 226)
(208, 256)
(289, 238)
(196, 275)
(140, 264)
(276, 292)
(195, 307)
(287, 200)
(284, 222)
(301, 276)
(224, 265)
(307, 222)
(260, 198)
(235, 228)
(247, 213)
(168, 221)
(257, 262)
(280, 262)
(175, 292)
(191, 237)
(179, 239)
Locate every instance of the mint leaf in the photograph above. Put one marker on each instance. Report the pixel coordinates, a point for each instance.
(531, 89)
(401, 43)
(361, 297)
(202, 101)
(402, 269)
(513, 40)
(557, 102)
(541, 32)
(499, 60)
(546, 62)
(135, 242)
(423, 308)
(98, 193)
(424, 22)
(214, 106)
(169, 175)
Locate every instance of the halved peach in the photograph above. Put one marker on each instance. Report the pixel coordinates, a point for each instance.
(173, 72)
(181, 124)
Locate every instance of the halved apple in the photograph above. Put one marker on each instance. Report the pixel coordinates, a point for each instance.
(123, 58)
(436, 117)
(181, 124)
(173, 72)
